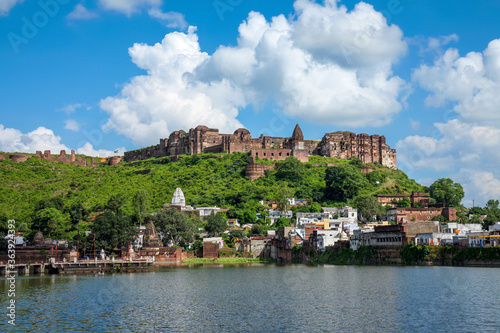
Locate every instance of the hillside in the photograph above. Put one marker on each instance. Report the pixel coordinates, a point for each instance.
(206, 179)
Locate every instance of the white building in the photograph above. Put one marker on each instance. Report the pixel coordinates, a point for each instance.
(206, 211)
(305, 218)
(327, 238)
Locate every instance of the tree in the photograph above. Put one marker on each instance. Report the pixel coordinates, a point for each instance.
(282, 194)
(113, 231)
(78, 213)
(291, 170)
(216, 224)
(257, 230)
(55, 202)
(356, 162)
(344, 182)
(175, 227)
(404, 203)
(282, 222)
(51, 222)
(115, 203)
(493, 213)
(368, 207)
(446, 192)
(141, 205)
(462, 219)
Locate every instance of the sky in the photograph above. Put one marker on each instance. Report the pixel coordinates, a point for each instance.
(101, 76)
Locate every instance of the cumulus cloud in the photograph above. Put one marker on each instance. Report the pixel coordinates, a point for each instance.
(325, 65)
(81, 13)
(471, 83)
(6, 6)
(88, 149)
(72, 125)
(13, 140)
(129, 7)
(163, 100)
(456, 143)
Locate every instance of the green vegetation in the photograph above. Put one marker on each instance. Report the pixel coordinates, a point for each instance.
(65, 201)
(446, 192)
(206, 179)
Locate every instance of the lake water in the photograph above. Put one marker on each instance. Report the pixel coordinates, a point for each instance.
(261, 298)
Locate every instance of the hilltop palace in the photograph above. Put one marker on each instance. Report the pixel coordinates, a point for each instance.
(343, 145)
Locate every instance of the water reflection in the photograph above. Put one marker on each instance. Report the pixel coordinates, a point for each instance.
(222, 298)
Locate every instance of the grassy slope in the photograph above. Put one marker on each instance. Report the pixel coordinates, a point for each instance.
(206, 179)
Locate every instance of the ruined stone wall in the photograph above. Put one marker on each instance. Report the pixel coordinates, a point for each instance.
(342, 145)
(261, 247)
(254, 171)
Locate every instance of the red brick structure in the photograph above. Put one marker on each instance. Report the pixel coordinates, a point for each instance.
(416, 197)
(254, 171)
(343, 145)
(210, 250)
(404, 215)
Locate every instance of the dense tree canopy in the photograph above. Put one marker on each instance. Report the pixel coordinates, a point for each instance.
(369, 208)
(344, 182)
(141, 205)
(216, 224)
(112, 231)
(446, 192)
(175, 227)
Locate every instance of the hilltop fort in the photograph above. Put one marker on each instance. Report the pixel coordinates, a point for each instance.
(342, 145)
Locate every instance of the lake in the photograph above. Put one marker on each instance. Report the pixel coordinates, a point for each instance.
(261, 298)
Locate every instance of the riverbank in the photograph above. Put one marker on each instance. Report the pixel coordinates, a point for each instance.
(410, 255)
(228, 261)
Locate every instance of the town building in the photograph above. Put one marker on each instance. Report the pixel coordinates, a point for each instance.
(404, 215)
(417, 199)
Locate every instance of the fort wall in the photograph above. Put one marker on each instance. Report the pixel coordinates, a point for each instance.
(342, 145)
(62, 157)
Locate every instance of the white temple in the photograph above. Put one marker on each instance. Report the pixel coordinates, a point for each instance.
(178, 198)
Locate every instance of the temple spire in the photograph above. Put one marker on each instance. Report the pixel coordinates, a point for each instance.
(297, 133)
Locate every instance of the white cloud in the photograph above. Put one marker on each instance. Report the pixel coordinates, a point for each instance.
(471, 83)
(88, 149)
(13, 140)
(72, 125)
(6, 6)
(472, 147)
(172, 20)
(479, 186)
(152, 105)
(129, 7)
(81, 13)
(71, 108)
(415, 124)
(304, 65)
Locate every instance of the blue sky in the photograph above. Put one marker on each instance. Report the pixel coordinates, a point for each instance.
(102, 75)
